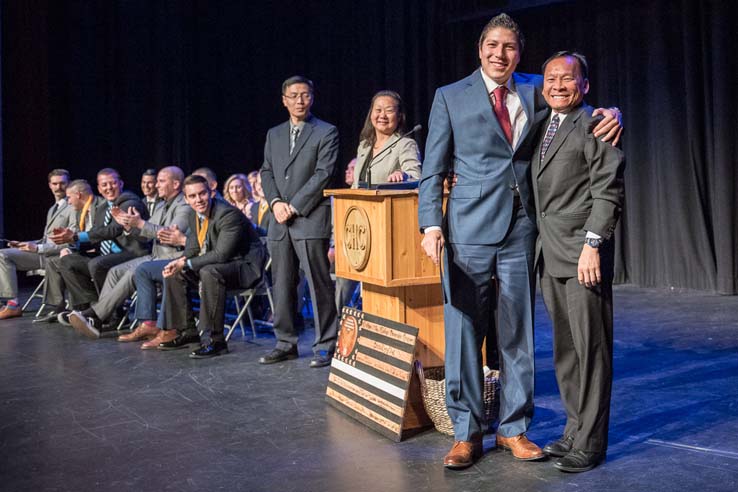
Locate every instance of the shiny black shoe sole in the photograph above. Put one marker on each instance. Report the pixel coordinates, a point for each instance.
(166, 346)
(578, 469)
(210, 355)
(273, 360)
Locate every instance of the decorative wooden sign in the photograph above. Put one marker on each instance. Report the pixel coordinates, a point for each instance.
(373, 376)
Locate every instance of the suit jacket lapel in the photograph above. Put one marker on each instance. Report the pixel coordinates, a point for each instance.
(564, 130)
(307, 129)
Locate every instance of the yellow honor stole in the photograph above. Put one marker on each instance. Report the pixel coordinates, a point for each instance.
(202, 230)
(85, 213)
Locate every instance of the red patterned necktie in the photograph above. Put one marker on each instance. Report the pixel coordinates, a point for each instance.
(498, 101)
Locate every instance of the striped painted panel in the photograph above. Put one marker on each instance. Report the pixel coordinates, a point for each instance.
(371, 371)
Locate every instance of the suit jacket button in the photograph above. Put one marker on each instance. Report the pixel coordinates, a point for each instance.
(543, 214)
(286, 177)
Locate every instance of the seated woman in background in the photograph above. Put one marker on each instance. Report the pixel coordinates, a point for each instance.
(261, 215)
(383, 127)
(237, 192)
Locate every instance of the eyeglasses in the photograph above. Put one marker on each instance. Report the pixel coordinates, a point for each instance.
(304, 96)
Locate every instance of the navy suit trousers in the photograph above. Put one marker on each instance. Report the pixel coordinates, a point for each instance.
(467, 274)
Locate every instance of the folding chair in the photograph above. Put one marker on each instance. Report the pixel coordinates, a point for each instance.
(39, 288)
(264, 287)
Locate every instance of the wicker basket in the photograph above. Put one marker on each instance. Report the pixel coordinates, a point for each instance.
(433, 384)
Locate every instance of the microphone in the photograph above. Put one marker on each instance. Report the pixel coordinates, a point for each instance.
(416, 128)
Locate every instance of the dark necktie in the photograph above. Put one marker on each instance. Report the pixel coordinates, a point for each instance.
(294, 134)
(552, 127)
(503, 116)
(106, 247)
(54, 209)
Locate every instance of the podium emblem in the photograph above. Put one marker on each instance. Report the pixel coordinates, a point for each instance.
(357, 237)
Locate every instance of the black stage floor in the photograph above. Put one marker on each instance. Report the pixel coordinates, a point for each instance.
(82, 415)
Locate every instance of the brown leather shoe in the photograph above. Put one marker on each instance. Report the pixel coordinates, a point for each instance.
(463, 454)
(521, 447)
(162, 337)
(7, 313)
(144, 331)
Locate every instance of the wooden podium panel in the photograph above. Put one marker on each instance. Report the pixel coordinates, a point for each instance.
(377, 240)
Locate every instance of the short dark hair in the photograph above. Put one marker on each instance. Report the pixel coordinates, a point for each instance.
(108, 171)
(81, 186)
(149, 172)
(580, 58)
(58, 172)
(297, 79)
(196, 179)
(505, 21)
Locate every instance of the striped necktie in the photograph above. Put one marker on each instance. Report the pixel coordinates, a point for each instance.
(550, 133)
(106, 247)
(294, 134)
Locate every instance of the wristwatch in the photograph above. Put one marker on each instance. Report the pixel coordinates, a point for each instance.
(75, 237)
(593, 242)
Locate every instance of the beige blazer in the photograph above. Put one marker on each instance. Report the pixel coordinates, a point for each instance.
(403, 156)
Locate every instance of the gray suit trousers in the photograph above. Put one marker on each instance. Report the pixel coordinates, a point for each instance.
(119, 285)
(582, 339)
(13, 260)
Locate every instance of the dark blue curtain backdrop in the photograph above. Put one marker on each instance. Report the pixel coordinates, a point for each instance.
(144, 83)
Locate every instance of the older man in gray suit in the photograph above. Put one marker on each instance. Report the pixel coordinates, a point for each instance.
(31, 255)
(170, 210)
(578, 189)
(299, 160)
(484, 128)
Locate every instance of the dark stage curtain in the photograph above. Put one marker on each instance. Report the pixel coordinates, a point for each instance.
(135, 84)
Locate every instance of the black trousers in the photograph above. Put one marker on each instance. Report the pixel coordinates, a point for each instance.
(84, 276)
(289, 255)
(582, 339)
(213, 281)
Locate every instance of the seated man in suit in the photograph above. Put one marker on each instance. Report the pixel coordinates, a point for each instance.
(119, 283)
(223, 253)
(578, 190)
(148, 190)
(31, 255)
(102, 247)
(86, 206)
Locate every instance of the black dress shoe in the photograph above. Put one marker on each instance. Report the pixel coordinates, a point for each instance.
(279, 355)
(182, 341)
(321, 359)
(577, 461)
(559, 448)
(208, 351)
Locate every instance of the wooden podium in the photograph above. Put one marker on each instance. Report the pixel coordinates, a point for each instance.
(377, 241)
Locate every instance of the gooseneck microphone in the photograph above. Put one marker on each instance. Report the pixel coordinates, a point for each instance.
(416, 128)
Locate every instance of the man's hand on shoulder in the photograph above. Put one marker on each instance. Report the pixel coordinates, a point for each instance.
(611, 125)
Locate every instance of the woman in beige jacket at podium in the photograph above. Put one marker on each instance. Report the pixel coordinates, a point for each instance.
(383, 127)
